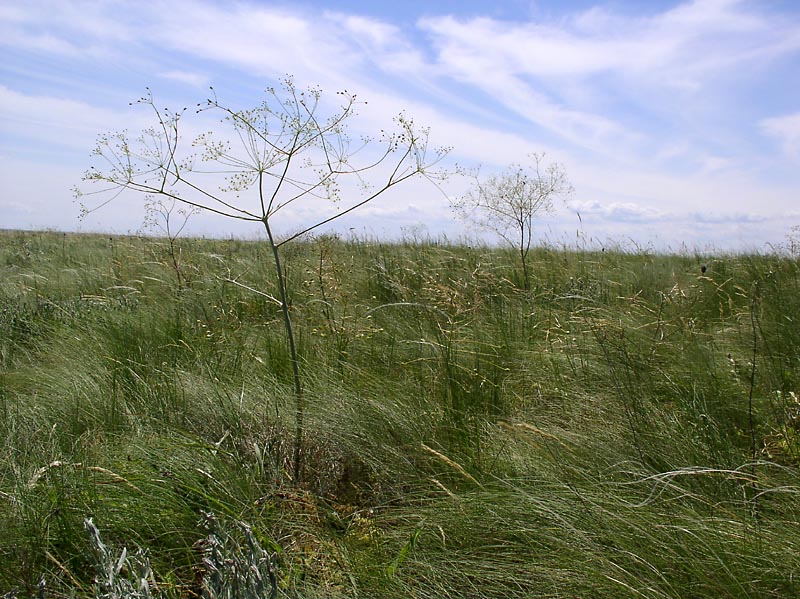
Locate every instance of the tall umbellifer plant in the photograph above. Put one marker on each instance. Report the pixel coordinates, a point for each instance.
(260, 164)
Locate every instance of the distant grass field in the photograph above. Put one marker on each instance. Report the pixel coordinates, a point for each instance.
(627, 427)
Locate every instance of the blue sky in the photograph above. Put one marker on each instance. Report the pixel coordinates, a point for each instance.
(678, 123)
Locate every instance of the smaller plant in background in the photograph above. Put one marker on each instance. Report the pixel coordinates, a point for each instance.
(508, 203)
(793, 242)
(783, 443)
(160, 218)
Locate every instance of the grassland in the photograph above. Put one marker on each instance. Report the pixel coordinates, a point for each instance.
(627, 427)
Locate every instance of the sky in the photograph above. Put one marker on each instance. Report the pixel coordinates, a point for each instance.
(677, 123)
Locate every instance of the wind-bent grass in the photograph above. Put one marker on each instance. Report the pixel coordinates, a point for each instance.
(591, 436)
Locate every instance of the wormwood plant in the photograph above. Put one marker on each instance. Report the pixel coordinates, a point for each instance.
(265, 161)
(234, 566)
(120, 576)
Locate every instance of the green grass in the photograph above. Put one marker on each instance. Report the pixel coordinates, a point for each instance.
(627, 427)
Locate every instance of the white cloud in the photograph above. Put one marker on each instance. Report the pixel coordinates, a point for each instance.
(786, 130)
(619, 211)
(39, 42)
(383, 44)
(78, 29)
(37, 195)
(262, 40)
(188, 77)
(17, 207)
(712, 164)
(57, 121)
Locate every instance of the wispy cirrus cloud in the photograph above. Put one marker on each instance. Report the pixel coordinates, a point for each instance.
(80, 30)
(384, 45)
(54, 122)
(690, 39)
(191, 78)
(599, 78)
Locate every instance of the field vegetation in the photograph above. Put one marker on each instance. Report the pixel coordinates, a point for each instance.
(607, 424)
